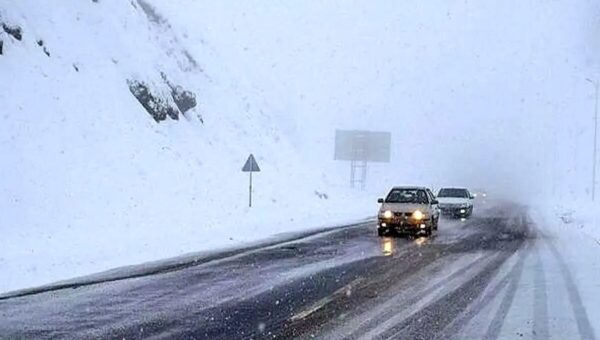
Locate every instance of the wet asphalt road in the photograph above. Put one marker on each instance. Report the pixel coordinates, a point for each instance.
(345, 283)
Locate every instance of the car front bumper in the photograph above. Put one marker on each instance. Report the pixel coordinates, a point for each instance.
(455, 211)
(403, 226)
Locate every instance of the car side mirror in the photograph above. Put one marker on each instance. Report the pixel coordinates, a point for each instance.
(472, 197)
(380, 200)
(435, 202)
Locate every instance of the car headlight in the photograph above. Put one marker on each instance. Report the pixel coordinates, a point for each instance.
(418, 215)
(387, 214)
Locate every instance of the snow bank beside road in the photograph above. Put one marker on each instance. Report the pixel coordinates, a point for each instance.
(549, 288)
(575, 216)
(573, 231)
(36, 258)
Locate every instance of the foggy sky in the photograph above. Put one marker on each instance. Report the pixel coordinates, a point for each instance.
(484, 93)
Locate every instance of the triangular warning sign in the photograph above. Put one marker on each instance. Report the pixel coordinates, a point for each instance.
(251, 165)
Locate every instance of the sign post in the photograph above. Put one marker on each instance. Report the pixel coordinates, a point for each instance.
(361, 147)
(250, 166)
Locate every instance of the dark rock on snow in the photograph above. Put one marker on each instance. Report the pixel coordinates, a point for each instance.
(156, 106)
(40, 43)
(14, 31)
(185, 100)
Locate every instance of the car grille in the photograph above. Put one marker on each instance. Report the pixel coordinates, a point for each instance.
(450, 206)
(401, 214)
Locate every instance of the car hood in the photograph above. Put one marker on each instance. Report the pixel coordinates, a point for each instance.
(403, 207)
(453, 200)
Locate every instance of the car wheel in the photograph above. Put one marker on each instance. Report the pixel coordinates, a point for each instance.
(381, 232)
(435, 223)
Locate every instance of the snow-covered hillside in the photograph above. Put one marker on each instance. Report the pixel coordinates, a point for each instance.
(89, 179)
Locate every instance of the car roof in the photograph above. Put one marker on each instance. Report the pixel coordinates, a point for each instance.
(410, 187)
(453, 188)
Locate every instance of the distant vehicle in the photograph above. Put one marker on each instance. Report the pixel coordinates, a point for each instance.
(408, 210)
(456, 202)
(480, 194)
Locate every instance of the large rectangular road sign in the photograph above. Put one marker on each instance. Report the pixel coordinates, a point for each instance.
(368, 146)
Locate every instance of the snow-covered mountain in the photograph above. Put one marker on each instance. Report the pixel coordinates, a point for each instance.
(118, 145)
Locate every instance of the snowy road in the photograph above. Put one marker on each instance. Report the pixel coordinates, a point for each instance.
(493, 276)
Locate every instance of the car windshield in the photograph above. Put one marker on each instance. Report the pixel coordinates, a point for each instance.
(418, 196)
(458, 193)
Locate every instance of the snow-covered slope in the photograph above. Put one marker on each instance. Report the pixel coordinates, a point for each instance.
(90, 180)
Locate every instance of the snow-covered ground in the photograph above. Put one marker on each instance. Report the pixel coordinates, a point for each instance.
(554, 281)
(574, 229)
(549, 288)
(89, 180)
(575, 217)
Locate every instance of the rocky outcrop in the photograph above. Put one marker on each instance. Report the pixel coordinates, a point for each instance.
(14, 31)
(184, 99)
(156, 105)
(163, 105)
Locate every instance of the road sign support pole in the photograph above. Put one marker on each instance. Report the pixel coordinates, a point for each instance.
(363, 182)
(360, 148)
(352, 173)
(250, 192)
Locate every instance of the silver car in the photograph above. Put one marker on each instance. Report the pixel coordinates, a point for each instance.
(408, 210)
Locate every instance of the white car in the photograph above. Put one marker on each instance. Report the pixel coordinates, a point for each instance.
(456, 202)
(408, 210)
